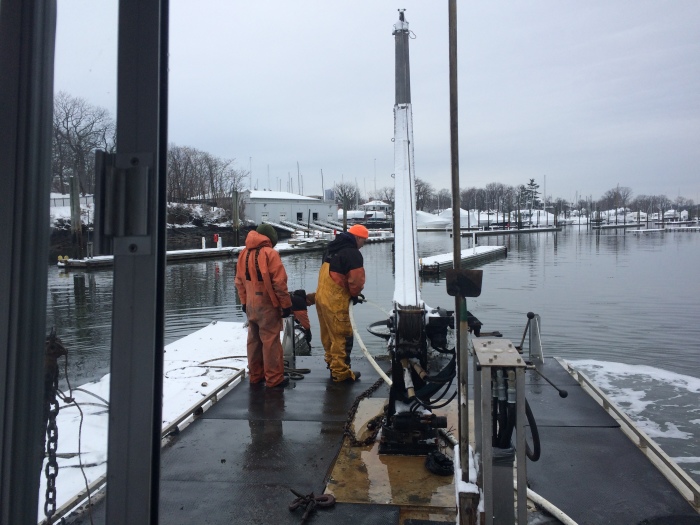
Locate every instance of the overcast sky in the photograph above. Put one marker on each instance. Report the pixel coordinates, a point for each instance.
(580, 96)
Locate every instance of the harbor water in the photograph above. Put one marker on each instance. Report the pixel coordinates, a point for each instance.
(623, 307)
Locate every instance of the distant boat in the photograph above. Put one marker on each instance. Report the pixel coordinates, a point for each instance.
(428, 221)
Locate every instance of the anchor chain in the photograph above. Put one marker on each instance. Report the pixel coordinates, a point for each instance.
(373, 424)
(54, 350)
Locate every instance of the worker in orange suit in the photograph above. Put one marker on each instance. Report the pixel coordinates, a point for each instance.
(341, 280)
(261, 281)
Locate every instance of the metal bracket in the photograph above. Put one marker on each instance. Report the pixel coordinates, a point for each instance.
(122, 186)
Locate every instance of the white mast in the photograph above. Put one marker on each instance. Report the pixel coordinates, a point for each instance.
(407, 290)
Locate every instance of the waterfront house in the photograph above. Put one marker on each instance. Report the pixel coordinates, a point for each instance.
(278, 206)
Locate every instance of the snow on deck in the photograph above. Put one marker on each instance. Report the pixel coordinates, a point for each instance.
(193, 368)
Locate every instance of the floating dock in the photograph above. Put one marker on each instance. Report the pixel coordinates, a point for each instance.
(521, 231)
(310, 245)
(614, 226)
(105, 261)
(470, 257)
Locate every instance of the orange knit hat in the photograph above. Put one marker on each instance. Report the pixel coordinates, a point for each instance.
(359, 231)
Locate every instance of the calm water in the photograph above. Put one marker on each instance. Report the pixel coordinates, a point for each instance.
(607, 297)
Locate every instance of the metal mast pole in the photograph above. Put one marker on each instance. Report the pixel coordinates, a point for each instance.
(406, 265)
(460, 302)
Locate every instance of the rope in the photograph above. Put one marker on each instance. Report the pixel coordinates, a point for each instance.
(295, 373)
(68, 400)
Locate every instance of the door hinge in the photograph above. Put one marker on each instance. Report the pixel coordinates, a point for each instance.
(122, 203)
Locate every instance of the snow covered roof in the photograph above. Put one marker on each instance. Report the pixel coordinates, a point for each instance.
(375, 203)
(279, 195)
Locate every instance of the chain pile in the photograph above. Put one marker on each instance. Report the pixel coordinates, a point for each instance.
(373, 424)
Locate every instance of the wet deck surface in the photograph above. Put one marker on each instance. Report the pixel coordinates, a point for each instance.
(247, 452)
(588, 467)
(238, 462)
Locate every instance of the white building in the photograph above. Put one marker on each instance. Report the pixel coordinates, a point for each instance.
(276, 206)
(376, 209)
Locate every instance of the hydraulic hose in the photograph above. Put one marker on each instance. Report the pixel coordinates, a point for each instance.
(534, 454)
(505, 440)
(364, 348)
(547, 505)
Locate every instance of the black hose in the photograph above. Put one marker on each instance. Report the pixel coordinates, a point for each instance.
(434, 407)
(505, 439)
(534, 454)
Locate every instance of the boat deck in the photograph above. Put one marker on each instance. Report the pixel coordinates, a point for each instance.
(589, 468)
(239, 460)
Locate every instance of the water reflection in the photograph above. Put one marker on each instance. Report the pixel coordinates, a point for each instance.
(601, 295)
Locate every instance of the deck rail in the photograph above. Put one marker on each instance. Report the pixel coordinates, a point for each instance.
(675, 474)
(189, 415)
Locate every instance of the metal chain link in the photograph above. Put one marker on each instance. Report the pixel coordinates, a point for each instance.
(54, 350)
(373, 424)
(51, 469)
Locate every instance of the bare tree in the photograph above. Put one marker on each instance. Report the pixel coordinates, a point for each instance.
(387, 194)
(78, 130)
(424, 193)
(346, 195)
(195, 174)
(561, 206)
(444, 199)
(681, 203)
(467, 198)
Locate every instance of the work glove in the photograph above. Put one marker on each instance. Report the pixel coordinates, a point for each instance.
(307, 335)
(358, 299)
(243, 308)
(286, 312)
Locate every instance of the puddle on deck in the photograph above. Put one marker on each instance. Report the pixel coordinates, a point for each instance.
(361, 475)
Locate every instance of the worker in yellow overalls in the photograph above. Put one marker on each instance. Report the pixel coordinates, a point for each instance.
(341, 280)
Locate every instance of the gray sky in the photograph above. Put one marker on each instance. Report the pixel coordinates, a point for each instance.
(587, 94)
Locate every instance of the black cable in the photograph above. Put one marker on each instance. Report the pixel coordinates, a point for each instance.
(433, 407)
(430, 404)
(427, 391)
(533, 455)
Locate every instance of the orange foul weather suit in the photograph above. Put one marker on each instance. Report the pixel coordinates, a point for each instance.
(261, 281)
(342, 276)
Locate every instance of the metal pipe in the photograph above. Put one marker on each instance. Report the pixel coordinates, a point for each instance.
(460, 303)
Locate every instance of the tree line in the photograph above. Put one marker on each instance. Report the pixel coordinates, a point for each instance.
(79, 129)
(504, 198)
